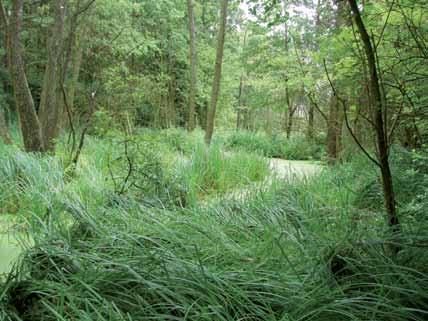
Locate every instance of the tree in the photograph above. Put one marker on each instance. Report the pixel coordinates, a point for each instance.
(49, 110)
(4, 131)
(39, 130)
(291, 108)
(30, 125)
(217, 75)
(193, 65)
(379, 112)
(335, 121)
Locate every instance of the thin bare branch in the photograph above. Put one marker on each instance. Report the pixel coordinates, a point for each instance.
(348, 125)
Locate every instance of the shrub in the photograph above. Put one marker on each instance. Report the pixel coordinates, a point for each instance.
(410, 175)
(138, 172)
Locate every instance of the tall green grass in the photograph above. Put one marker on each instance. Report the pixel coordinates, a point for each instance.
(277, 146)
(297, 250)
(267, 257)
(210, 170)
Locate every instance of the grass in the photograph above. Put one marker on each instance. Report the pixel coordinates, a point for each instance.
(276, 146)
(211, 170)
(283, 251)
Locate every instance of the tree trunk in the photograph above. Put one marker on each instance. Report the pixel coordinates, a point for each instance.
(311, 111)
(241, 90)
(247, 119)
(202, 115)
(76, 63)
(4, 131)
(379, 110)
(217, 76)
(73, 57)
(238, 111)
(334, 130)
(193, 66)
(172, 112)
(290, 107)
(310, 132)
(30, 126)
(49, 111)
(332, 150)
(290, 117)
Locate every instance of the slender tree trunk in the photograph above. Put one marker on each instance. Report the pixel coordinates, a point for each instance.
(332, 150)
(290, 107)
(75, 72)
(334, 130)
(238, 111)
(4, 130)
(217, 76)
(172, 114)
(241, 90)
(378, 116)
(202, 114)
(71, 65)
(247, 119)
(193, 66)
(30, 125)
(49, 111)
(339, 132)
(311, 118)
(290, 118)
(311, 111)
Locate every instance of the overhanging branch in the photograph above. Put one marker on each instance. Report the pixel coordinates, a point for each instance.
(348, 125)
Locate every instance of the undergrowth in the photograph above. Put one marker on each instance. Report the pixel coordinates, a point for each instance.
(300, 250)
(276, 146)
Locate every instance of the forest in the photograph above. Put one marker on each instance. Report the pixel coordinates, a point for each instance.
(217, 160)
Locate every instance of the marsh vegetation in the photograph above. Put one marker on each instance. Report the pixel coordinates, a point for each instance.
(213, 160)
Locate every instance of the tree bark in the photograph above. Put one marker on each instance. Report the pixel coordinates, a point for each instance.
(76, 62)
(311, 118)
(193, 66)
(290, 115)
(50, 105)
(73, 57)
(290, 108)
(241, 91)
(30, 125)
(238, 111)
(217, 76)
(4, 129)
(311, 111)
(332, 131)
(379, 110)
(335, 121)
